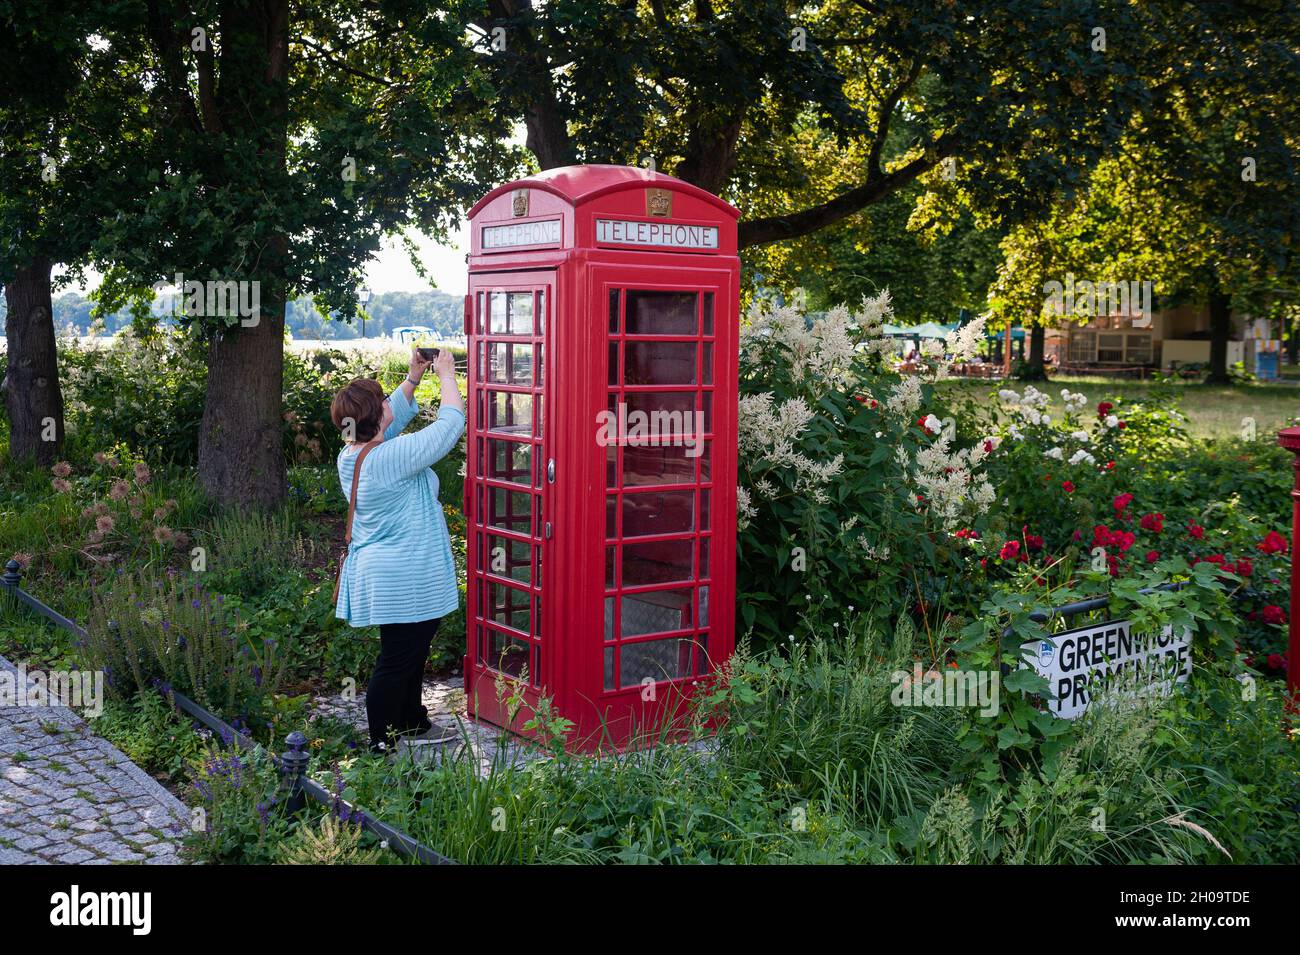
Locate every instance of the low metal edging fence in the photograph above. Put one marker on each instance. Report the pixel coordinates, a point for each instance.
(1066, 611)
(293, 763)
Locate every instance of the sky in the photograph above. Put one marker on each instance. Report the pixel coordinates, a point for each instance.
(390, 270)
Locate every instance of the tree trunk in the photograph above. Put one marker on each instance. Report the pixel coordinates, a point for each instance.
(1220, 330)
(1293, 344)
(33, 399)
(710, 156)
(241, 453)
(546, 133)
(1035, 369)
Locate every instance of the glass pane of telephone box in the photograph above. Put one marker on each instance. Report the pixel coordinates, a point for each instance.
(661, 313)
(658, 464)
(657, 562)
(509, 607)
(655, 612)
(507, 557)
(510, 510)
(510, 363)
(663, 512)
(655, 660)
(659, 363)
(511, 313)
(666, 414)
(510, 411)
(506, 654)
(510, 461)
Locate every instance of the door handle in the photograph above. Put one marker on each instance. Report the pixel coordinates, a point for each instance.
(547, 532)
(550, 471)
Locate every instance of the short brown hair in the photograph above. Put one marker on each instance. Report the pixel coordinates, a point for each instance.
(362, 401)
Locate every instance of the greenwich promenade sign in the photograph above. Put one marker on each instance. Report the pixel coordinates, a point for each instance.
(1109, 660)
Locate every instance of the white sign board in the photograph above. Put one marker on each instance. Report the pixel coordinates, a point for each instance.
(1108, 659)
(544, 232)
(667, 235)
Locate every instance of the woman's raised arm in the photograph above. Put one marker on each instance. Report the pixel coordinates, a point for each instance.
(432, 442)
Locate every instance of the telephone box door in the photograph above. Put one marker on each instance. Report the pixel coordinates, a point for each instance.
(668, 531)
(506, 487)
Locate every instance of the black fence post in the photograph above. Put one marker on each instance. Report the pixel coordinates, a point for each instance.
(13, 575)
(293, 766)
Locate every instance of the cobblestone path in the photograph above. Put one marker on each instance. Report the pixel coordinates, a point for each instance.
(69, 796)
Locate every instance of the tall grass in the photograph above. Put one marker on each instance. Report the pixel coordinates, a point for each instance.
(248, 551)
(813, 762)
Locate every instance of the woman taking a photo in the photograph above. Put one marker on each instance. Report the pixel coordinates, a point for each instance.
(398, 573)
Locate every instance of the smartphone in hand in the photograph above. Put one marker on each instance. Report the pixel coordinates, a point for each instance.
(428, 354)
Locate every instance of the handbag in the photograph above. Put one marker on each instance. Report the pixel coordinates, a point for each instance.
(352, 510)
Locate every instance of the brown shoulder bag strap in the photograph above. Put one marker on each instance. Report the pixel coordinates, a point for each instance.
(352, 510)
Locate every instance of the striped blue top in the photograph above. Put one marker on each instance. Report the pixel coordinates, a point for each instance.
(399, 568)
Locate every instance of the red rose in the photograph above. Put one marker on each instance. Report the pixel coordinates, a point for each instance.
(1276, 661)
(1273, 543)
(1152, 556)
(1103, 409)
(1010, 550)
(1196, 530)
(1244, 567)
(1123, 425)
(1273, 614)
(1067, 487)
(1152, 522)
(1121, 502)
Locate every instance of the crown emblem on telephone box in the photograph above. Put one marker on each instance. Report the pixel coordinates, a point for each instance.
(659, 202)
(520, 205)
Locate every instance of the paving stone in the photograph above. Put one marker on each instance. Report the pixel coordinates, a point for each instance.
(75, 857)
(72, 798)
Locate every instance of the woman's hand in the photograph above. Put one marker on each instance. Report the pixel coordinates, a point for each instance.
(445, 365)
(418, 365)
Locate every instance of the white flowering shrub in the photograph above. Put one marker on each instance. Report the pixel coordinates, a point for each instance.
(855, 485)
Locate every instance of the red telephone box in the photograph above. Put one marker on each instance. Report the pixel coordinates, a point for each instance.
(600, 491)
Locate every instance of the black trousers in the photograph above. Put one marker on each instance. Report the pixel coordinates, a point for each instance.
(393, 696)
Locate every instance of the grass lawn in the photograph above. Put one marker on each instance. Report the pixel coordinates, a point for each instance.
(1211, 412)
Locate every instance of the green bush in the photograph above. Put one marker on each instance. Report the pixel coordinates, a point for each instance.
(145, 392)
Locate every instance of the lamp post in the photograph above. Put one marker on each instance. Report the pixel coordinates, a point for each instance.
(1289, 438)
(363, 296)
